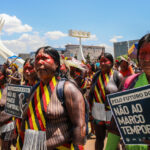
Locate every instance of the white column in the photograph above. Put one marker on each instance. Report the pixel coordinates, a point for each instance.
(81, 57)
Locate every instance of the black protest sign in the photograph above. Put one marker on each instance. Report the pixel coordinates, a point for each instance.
(16, 99)
(131, 110)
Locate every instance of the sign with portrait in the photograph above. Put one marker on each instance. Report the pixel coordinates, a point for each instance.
(16, 99)
(131, 110)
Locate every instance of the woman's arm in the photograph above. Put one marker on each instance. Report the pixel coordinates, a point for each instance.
(75, 106)
(16, 77)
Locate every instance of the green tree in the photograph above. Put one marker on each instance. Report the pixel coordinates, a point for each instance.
(88, 57)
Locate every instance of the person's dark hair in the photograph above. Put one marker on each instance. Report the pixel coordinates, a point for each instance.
(144, 39)
(93, 68)
(6, 64)
(3, 71)
(108, 56)
(54, 54)
(30, 60)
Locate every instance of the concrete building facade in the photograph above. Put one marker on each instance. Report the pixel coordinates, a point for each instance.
(24, 56)
(72, 51)
(93, 51)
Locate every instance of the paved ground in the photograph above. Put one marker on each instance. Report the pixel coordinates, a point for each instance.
(89, 144)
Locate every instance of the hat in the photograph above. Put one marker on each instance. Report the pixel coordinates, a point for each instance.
(124, 57)
(75, 63)
(15, 65)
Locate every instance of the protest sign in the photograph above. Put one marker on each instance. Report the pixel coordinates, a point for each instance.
(16, 99)
(131, 110)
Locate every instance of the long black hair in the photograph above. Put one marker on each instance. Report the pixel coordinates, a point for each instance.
(30, 60)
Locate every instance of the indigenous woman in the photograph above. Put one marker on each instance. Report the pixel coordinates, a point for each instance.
(29, 72)
(64, 126)
(142, 79)
(78, 73)
(31, 79)
(6, 123)
(104, 82)
(15, 77)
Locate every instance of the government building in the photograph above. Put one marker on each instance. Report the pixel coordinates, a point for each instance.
(93, 51)
(121, 48)
(73, 50)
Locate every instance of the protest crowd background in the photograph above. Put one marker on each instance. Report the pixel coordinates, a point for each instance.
(67, 104)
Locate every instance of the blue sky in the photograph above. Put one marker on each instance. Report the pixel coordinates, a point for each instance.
(30, 24)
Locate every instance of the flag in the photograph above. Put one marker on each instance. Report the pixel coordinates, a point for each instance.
(132, 52)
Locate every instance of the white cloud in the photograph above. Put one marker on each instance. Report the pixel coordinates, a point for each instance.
(31, 42)
(55, 35)
(25, 43)
(14, 25)
(115, 38)
(108, 48)
(92, 38)
(59, 46)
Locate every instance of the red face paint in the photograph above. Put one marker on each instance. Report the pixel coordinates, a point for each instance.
(104, 60)
(144, 53)
(144, 58)
(43, 58)
(78, 73)
(45, 65)
(28, 69)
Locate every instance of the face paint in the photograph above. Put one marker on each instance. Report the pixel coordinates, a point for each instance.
(43, 58)
(144, 53)
(45, 66)
(144, 58)
(28, 68)
(105, 64)
(104, 60)
(78, 73)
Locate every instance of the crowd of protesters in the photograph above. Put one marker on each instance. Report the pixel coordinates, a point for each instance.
(50, 122)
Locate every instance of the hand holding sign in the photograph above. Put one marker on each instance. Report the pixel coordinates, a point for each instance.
(16, 99)
(131, 112)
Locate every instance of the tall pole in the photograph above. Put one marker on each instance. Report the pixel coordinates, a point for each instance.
(128, 44)
(80, 34)
(81, 51)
